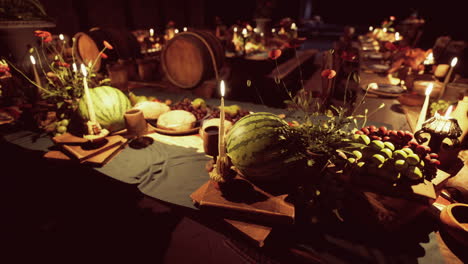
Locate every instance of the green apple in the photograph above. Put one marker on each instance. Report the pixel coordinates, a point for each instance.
(387, 153)
(377, 145)
(413, 159)
(400, 165)
(414, 173)
(389, 145)
(400, 154)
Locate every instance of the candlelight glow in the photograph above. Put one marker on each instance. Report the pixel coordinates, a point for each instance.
(61, 37)
(448, 112)
(429, 59)
(185, 29)
(454, 62)
(151, 31)
(176, 31)
(261, 34)
(244, 32)
(235, 29)
(397, 36)
(75, 69)
(385, 30)
(371, 28)
(256, 30)
(429, 89)
(83, 70)
(222, 88)
(293, 26)
(33, 60)
(273, 30)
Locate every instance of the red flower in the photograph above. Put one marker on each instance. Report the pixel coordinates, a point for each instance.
(390, 46)
(104, 56)
(107, 45)
(348, 56)
(274, 54)
(63, 64)
(45, 35)
(328, 73)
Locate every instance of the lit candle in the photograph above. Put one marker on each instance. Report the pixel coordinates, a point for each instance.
(89, 103)
(36, 75)
(385, 30)
(448, 112)
(221, 151)
(397, 36)
(151, 32)
(273, 30)
(176, 31)
(244, 32)
(293, 26)
(422, 115)
(452, 65)
(185, 29)
(75, 69)
(61, 37)
(371, 28)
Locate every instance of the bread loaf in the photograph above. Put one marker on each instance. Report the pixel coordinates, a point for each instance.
(176, 120)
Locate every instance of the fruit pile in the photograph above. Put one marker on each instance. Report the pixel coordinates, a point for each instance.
(197, 107)
(61, 127)
(232, 113)
(392, 155)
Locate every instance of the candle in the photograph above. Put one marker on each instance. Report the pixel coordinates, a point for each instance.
(293, 26)
(371, 28)
(244, 32)
(75, 69)
(176, 31)
(397, 36)
(221, 124)
(452, 65)
(89, 103)
(61, 37)
(273, 30)
(422, 115)
(385, 30)
(448, 112)
(36, 75)
(185, 29)
(151, 32)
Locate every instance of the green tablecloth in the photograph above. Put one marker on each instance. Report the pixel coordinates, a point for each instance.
(172, 173)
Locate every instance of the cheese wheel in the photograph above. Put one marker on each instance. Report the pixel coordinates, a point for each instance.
(176, 120)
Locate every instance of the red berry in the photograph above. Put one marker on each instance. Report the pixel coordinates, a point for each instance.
(359, 132)
(434, 155)
(374, 137)
(373, 128)
(435, 162)
(383, 130)
(420, 150)
(427, 157)
(407, 133)
(413, 144)
(365, 130)
(427, 148)
(386, 138)
(400, 133)
(393, 133)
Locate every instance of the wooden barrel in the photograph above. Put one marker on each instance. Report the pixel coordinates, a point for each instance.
(191, 57)
(89, 44)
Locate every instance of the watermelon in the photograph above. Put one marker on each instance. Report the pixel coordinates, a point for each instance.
(263, 147)
(110, 105)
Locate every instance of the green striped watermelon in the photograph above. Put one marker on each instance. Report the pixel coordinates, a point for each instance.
(110, 105)
(262, 146)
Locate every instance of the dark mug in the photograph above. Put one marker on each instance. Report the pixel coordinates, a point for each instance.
(135, 123)
(210, 137)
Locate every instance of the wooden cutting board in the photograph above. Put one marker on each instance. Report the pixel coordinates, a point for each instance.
(85, 151)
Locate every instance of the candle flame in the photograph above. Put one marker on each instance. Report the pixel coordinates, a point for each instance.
(261, 34)
(235, 29)
(371, 28)
(293, 26)
(397, 36)
(454, 62)
(83, 70)
(151, 31)
(429, 89)
(244, 31)
(61, 37)
(273, 30)
(75, 69)
(222, 88)
(385, 30)
(176, 31)
(449, 111)
(33, 60)
(185, 29)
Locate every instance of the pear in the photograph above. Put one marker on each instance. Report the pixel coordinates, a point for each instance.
(198, 103)
(231, 110)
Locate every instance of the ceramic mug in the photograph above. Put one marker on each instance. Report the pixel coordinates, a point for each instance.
(210, 137)
(135, 122)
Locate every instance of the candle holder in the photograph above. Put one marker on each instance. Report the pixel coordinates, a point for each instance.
(439, 128)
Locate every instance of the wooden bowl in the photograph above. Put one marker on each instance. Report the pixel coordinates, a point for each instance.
(454, 218)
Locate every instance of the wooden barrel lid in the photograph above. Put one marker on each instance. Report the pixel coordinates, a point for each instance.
(86, 50)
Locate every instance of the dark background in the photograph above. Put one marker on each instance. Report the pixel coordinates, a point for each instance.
(71, 16)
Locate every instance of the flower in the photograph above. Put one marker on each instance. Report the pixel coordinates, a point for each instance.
(107, 45)
(328, 73)
(274, 54)
(62, 64)
(103, 55)
(45, 35)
